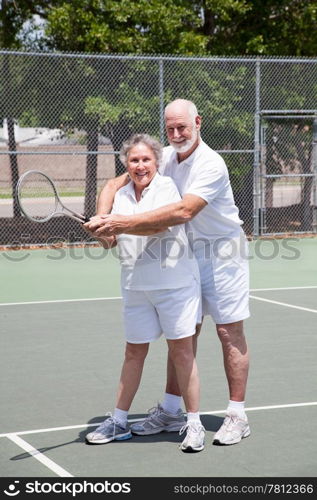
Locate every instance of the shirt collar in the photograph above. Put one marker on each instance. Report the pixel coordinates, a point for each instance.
(129, 188)
(189, 161)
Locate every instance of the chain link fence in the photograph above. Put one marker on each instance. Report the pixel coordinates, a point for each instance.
(68, 114)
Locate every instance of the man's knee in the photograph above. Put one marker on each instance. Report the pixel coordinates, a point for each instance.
(231, 332)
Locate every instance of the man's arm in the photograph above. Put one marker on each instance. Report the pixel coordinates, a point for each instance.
(169, 215)
(108, 192)
(105, 203)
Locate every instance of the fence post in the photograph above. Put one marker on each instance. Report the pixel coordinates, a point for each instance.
(256, 163)
(161, 92)
(314, 168)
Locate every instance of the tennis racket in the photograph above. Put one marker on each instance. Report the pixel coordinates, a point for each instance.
(38, 198)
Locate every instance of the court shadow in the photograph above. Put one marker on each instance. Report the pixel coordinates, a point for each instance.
(210, 422)
(43, 450)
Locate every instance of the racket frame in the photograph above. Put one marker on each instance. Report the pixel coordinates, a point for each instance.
(71, 213)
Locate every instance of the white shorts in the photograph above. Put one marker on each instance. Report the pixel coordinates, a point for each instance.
(174, 312)
(224, 274)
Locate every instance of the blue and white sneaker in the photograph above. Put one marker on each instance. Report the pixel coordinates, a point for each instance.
(159, 420)
(109, 430)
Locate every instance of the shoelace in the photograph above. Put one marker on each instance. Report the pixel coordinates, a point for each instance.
(155, 410)
(230, 420)
(193, 426)
(110, 420)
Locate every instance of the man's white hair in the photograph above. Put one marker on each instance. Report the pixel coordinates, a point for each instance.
(189, 105)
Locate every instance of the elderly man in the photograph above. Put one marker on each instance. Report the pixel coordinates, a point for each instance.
(214, 230)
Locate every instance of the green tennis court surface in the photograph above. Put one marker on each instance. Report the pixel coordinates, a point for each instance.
(61, 353)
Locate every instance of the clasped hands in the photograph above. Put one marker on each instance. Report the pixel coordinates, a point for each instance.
(105, 227)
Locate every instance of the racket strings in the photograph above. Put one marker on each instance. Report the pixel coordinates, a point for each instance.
(37, 197)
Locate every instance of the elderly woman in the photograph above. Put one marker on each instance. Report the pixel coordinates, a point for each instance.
(161, 295)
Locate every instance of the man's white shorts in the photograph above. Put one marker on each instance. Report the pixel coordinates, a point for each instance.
(224, 274)
(150, 313)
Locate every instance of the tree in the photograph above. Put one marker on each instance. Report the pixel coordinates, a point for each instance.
(260, 27)
(199, 27)
(12, 17)
(126, 26)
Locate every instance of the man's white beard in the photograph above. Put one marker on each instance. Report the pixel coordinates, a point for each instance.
(183, 147)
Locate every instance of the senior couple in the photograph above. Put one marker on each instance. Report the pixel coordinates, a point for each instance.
(183, 256)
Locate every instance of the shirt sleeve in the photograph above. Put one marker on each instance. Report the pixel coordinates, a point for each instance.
(114, 209)
(208, 182)
(168, 193)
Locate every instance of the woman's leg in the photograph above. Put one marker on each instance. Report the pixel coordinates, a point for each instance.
(131, 373)
(181, 354)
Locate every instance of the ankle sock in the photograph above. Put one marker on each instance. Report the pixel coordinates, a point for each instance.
(193, 417)
(171, 403)
(121, 416)
(238, 406)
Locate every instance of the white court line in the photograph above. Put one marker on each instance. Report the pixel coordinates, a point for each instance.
(57, 301)
(283, 304)
(80, 426)
(39, 456)
(272, 407)
(283, 288)
(119, 298)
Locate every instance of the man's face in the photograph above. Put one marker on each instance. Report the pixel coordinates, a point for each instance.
(182, 130)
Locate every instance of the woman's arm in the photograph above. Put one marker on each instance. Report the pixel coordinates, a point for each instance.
(108, 192)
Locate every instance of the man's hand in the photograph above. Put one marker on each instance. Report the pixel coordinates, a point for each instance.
(108, 225)
(107, 241)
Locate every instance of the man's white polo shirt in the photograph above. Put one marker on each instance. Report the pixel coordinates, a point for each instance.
(204, 174)
(164, 260)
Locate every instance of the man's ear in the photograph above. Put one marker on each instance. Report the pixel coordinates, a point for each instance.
(198, 122)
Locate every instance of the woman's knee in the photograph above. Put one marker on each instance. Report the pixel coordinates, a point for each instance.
(137, 352)
(181, 350)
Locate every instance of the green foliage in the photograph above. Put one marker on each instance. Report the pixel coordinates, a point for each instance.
(13, 15)
(127, 26)
(257, 27)
(198, 27)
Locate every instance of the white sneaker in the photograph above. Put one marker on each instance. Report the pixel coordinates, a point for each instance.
(234, 428)
(195, 437)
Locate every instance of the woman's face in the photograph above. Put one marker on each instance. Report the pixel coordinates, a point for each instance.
(141, 165)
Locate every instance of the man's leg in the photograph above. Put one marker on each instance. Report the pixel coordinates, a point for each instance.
(235, 357)
(236, 364)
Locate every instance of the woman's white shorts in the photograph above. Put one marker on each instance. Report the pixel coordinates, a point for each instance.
(150, 313)
(224, 275)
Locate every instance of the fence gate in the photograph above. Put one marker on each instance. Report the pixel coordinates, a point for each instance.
(288, 173)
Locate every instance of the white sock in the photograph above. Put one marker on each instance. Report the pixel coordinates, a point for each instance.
(171, 403)
(193, 417)
(238, 406)
(121, 416)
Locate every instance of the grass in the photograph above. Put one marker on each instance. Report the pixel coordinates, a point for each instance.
(7, 195)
